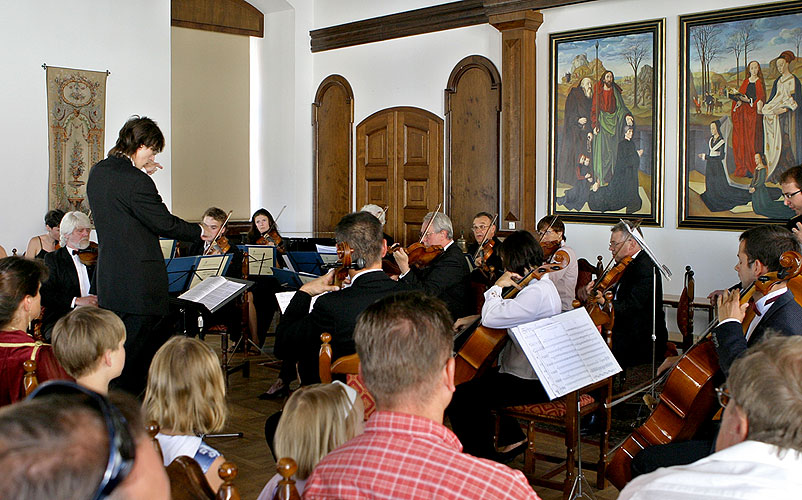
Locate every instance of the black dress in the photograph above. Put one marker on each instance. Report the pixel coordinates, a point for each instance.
(622, 191)
(719, 195)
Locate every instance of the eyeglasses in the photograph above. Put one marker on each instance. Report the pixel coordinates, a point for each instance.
(723, 395)
(479, 228)
(615, 244)
(791, 195)
(547, 231)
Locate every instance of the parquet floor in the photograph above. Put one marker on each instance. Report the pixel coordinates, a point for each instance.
(256, 466)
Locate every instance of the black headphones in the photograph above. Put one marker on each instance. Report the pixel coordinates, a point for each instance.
(122, 448)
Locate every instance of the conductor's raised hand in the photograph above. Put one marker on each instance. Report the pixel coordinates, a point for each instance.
(320, 285)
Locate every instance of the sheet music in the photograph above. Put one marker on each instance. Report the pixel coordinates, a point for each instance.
(168, 247)
(260, 260)
(209, 265)
(284, 299)
(325, 249)
(566, 351)
(288, 262)
(307, 277)
(212, 291)
(328, 258)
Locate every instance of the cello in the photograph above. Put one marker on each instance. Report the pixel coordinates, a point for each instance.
(688, 398)
(478, 346)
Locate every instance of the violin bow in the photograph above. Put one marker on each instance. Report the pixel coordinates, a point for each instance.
(219, 232)
(429, 225)
(275, 221)
(484, 238)
(384, 211)
(551, 223)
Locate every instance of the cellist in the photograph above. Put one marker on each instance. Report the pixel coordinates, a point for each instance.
(514, 381)
(759, 252)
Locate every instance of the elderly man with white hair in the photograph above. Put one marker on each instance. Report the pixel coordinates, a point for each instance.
(381, 214)
(70, 282)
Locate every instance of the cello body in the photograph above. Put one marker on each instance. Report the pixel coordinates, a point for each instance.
(687, 401)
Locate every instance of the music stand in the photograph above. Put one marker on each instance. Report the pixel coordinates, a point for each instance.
(309, 262)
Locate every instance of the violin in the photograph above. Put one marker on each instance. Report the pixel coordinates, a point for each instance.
(688, 398)
(88, 255)
(220, 243)
(485, 252)
(271, 237)
(478, 346)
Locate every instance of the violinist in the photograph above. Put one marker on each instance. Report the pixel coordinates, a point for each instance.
(488, 266)
(264, 231)
(791, 182)
(551, 232)
(759, 252)
(632, 302)
(298, 332)
(70, 283)
(514, 381)
(446, 277)
(214, 242)
(381, 214)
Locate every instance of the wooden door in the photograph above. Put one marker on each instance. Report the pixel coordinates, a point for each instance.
(400, 165)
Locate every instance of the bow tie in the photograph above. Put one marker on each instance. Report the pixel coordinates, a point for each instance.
(75, 252)
(753, 304)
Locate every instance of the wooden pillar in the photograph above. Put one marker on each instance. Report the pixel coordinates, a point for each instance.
(518, 30)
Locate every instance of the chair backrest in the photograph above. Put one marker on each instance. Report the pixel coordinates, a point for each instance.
(345, 365)
(588, 272)
(286, 467)
(29, 380)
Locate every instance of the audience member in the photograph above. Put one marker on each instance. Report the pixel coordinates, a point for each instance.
(186, 396)
(88, 343)
(315, 420)
(759, 447)
(69, 443)
(405, 345)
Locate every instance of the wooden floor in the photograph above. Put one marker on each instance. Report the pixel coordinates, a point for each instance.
(247, 414)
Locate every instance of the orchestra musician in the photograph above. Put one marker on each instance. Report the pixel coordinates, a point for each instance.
(633, 302)
(41, 245)
(446, 277)
(381, 214)
(69, 284)
(759, 252)
(514, 380)
(551, 231)
(485, 273)
(130, 217)
(791, 183)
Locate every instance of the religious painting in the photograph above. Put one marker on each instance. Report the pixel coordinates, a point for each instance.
(606, 122)
(740, 116)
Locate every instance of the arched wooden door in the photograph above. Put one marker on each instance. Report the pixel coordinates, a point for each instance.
(399, 164)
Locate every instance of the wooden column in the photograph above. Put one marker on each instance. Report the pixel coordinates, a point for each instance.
(518, 30)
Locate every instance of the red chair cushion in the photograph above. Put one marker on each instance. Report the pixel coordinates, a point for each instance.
(357, 383)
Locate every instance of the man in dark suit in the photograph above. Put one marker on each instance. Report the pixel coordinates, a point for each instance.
(130, 217)
(69, 284)
(447, 276)
(298, 333)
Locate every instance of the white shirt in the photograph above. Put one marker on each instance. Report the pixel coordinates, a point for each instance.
(83, 274)
(750, 470)
(538, 300)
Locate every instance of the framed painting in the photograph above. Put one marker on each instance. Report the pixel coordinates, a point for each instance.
(740, 114)
(606, 123)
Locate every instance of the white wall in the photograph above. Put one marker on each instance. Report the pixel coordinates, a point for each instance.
(130, 39)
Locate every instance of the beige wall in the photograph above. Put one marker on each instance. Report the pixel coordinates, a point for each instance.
(210, 123)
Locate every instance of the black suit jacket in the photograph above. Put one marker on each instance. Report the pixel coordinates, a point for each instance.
(447, 277)
(61, 287)
(129, 217)
(298, 332)
(784, 316)
(632, 329)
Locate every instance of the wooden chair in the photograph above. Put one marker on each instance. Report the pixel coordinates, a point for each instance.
(286, 467)
(588, 272)
(685, 310)
(29, 380)
(347, 366)
(562, 413)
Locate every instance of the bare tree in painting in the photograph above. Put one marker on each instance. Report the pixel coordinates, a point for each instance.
(796, 36)
(634, 55)
(734, 46)
(708, 46)
(748, 38)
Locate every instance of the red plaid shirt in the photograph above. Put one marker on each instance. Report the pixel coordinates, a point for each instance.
(402, 456)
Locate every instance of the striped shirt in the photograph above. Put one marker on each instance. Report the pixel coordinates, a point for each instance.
(403, 456)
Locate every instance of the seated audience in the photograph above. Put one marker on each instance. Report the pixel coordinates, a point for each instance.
(759, 447)
(88, 343)
(315, 420)
(69, 283)
(514, 381)
(41, 245)
(20, 280)
(58, 444)
(405, 344)
(186, 396)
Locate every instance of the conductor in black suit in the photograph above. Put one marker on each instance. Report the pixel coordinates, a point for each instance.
(129, 218)
(298, 333)
(69, 284)
(447, 276)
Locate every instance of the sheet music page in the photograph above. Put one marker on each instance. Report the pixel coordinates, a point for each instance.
(325, 249)
(284, 299)
(288, 262)
(328, 258)
(209, 265)
(167, 247)
(566, 351)
(260, 260)
(307, 277)
(212, 291)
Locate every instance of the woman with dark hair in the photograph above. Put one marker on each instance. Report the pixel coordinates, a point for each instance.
(514, 381)
(719, 195)
(264, 231)
(41, 245)
(551, 234)
(20, 303)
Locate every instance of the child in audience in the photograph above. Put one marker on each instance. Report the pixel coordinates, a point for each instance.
(316, 419)
(186, 396)
(88, 343)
